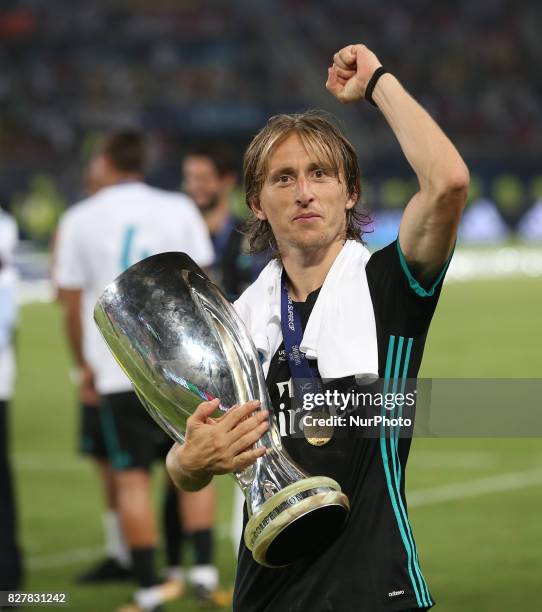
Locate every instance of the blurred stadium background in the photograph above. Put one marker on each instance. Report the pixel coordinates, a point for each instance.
(187, 70)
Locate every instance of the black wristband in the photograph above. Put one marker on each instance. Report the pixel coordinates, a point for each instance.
(372, 84)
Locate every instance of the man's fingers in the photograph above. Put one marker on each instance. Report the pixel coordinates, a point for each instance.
(250, 437)
(204, 410)
(341, 60)
(217, 420)
(335, 84)
(237, 414)
(248, 424)
(344, 74)
(332, 83)
(344, 58)
(247, 458)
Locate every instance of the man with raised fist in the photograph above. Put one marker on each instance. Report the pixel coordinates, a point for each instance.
(362, 317)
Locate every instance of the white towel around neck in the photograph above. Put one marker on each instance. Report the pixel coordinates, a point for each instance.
(341, 330)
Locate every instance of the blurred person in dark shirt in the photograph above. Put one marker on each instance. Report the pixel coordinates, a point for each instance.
(209, 177)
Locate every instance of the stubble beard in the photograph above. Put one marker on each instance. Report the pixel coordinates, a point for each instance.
(209, 205)
(306, 245)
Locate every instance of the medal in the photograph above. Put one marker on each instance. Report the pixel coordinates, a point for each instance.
(315, 434)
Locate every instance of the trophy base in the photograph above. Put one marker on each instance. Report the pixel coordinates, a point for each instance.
(296, 522)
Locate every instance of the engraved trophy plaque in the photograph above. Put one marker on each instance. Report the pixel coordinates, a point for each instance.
(181, 342)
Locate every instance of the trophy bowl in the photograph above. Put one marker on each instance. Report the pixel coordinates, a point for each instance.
(181, 342)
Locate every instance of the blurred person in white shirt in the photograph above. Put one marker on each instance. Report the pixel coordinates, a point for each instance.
(115, 566)
(124, 222)
(11, 571)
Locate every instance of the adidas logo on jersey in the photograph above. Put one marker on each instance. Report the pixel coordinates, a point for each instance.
(396, 593)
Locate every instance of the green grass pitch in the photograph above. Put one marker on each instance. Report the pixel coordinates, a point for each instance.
(479, 551)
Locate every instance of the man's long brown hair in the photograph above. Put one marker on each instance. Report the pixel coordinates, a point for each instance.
(321, 136)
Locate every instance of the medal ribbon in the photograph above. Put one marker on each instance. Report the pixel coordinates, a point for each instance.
(304, 378)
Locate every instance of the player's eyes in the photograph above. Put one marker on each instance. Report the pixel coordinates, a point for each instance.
(319, 173)
(283, 178)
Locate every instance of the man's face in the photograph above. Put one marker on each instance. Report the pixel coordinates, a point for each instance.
(202, 182)
(96, 174)
(302, 200)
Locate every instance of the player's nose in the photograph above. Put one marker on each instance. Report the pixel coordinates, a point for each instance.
(304, 194)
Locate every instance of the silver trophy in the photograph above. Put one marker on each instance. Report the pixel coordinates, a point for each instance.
(181, 342)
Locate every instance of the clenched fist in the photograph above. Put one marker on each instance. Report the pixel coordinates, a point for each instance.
(353, 66)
